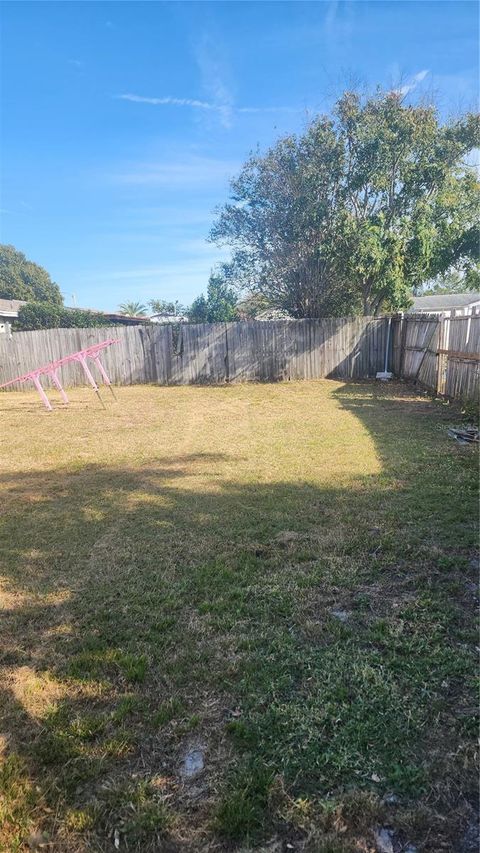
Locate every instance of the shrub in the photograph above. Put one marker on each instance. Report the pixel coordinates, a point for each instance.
(45, 315)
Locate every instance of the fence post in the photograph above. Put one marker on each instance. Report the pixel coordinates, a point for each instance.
(442, 358)
(403, 343)
(227, 355)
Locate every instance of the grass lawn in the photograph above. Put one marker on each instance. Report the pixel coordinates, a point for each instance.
(276, 582)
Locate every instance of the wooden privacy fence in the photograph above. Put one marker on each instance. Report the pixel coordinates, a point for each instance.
(210, 352)
(439, 353)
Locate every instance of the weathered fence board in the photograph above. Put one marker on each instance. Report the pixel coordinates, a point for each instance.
(214, 353)
(433, 350)
(209, 352)
(418, 338)
(462, 374)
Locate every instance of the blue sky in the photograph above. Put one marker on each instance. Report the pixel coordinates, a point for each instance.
(123, 122)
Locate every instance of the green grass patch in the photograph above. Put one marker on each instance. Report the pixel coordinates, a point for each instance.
(278, 576)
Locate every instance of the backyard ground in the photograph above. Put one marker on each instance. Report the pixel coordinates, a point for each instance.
(238, 617)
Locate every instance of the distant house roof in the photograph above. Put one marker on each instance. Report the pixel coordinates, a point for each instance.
(444, 302)
(123, 319)
(9, 307)
(272, 314)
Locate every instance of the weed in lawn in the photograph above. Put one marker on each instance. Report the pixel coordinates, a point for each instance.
(168, 711)
(80, 820)
(242, 811)
(129, 704)
(134, 811)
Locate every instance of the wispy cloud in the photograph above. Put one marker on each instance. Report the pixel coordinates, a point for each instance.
(214, 73)
(331, 16)
(185, 278)
(226, 115)
(179, 216)
(15, 211)
(412, 83)
(339, 21)
(215, 81)
(152, 273)
(168, 101)
(191, 173)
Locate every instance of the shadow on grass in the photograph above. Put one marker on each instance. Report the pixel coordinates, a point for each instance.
(320, 636)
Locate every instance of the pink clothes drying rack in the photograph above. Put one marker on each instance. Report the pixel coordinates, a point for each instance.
(51, 370)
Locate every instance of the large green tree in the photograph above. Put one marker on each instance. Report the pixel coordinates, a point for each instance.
(356, 212)
(23, 279)
(219, 305)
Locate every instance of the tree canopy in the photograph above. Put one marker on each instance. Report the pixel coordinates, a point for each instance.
(218, 306)
(25, 280)
(452, 282)
(133, 309)
(356, 212)
(164, 306)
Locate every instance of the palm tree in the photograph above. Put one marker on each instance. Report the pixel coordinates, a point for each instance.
(133, 309)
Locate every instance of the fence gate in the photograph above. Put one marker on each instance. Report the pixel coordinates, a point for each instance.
(441, 353)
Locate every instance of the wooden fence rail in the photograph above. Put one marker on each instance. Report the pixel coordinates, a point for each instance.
(440, 354)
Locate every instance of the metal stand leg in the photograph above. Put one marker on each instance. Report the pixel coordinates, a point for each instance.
(91, 379)
(38, 386)
(58, 386)
(104, 375)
